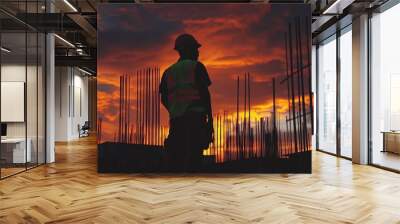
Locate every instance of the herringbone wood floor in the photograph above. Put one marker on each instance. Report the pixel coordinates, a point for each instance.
(71, 191)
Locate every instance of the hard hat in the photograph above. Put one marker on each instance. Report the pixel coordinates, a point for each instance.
(185, 41)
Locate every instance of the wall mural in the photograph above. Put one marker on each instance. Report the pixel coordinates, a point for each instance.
(204, 88)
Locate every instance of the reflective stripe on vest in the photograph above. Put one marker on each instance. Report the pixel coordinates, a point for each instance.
(182, 91)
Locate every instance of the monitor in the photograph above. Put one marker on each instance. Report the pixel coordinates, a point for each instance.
(3, 129)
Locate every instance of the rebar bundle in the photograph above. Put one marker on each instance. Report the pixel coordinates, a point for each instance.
(148, 122)
(144, 99)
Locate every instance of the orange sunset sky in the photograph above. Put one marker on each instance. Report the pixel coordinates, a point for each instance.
(235, 38)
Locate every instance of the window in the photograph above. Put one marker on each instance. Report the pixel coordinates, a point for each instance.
(327, 95)
(346, 92)
(385, 88)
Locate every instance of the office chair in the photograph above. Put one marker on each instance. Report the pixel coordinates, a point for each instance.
(84, 130)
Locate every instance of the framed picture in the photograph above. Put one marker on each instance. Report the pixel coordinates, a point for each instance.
(204, 88)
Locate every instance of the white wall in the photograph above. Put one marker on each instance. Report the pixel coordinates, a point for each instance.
(71, 102)
(14, 73)
(17, 73)
(61, 103)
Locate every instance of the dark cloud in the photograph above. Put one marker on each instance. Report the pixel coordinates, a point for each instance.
(106, 87)
(272, 26)
(138, 29)
(201, 11)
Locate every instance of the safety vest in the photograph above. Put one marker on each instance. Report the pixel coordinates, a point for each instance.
(182, 90)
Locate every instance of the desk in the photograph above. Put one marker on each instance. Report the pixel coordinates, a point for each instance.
(13, 150)
(391, 141)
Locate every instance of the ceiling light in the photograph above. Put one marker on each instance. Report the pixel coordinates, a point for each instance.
(5, 50)
(79, 51)
(84, 71)
(70, 5)
(327, 11)
(337, 7)
(65, 41)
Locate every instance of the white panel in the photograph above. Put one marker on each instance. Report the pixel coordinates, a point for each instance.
(12, 101)
(76, 120)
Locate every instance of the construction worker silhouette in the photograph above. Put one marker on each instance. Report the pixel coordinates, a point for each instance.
(184, 93)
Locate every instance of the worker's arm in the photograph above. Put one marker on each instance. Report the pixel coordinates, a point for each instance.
(207, 98)
(204, 82)
(164, 100)
(163, 90)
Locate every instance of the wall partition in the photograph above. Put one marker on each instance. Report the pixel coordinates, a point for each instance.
(22, 88)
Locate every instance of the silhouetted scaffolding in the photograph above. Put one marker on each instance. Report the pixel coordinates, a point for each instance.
(239, 136)
(139, 119)
(148, 122)
(299, 130)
